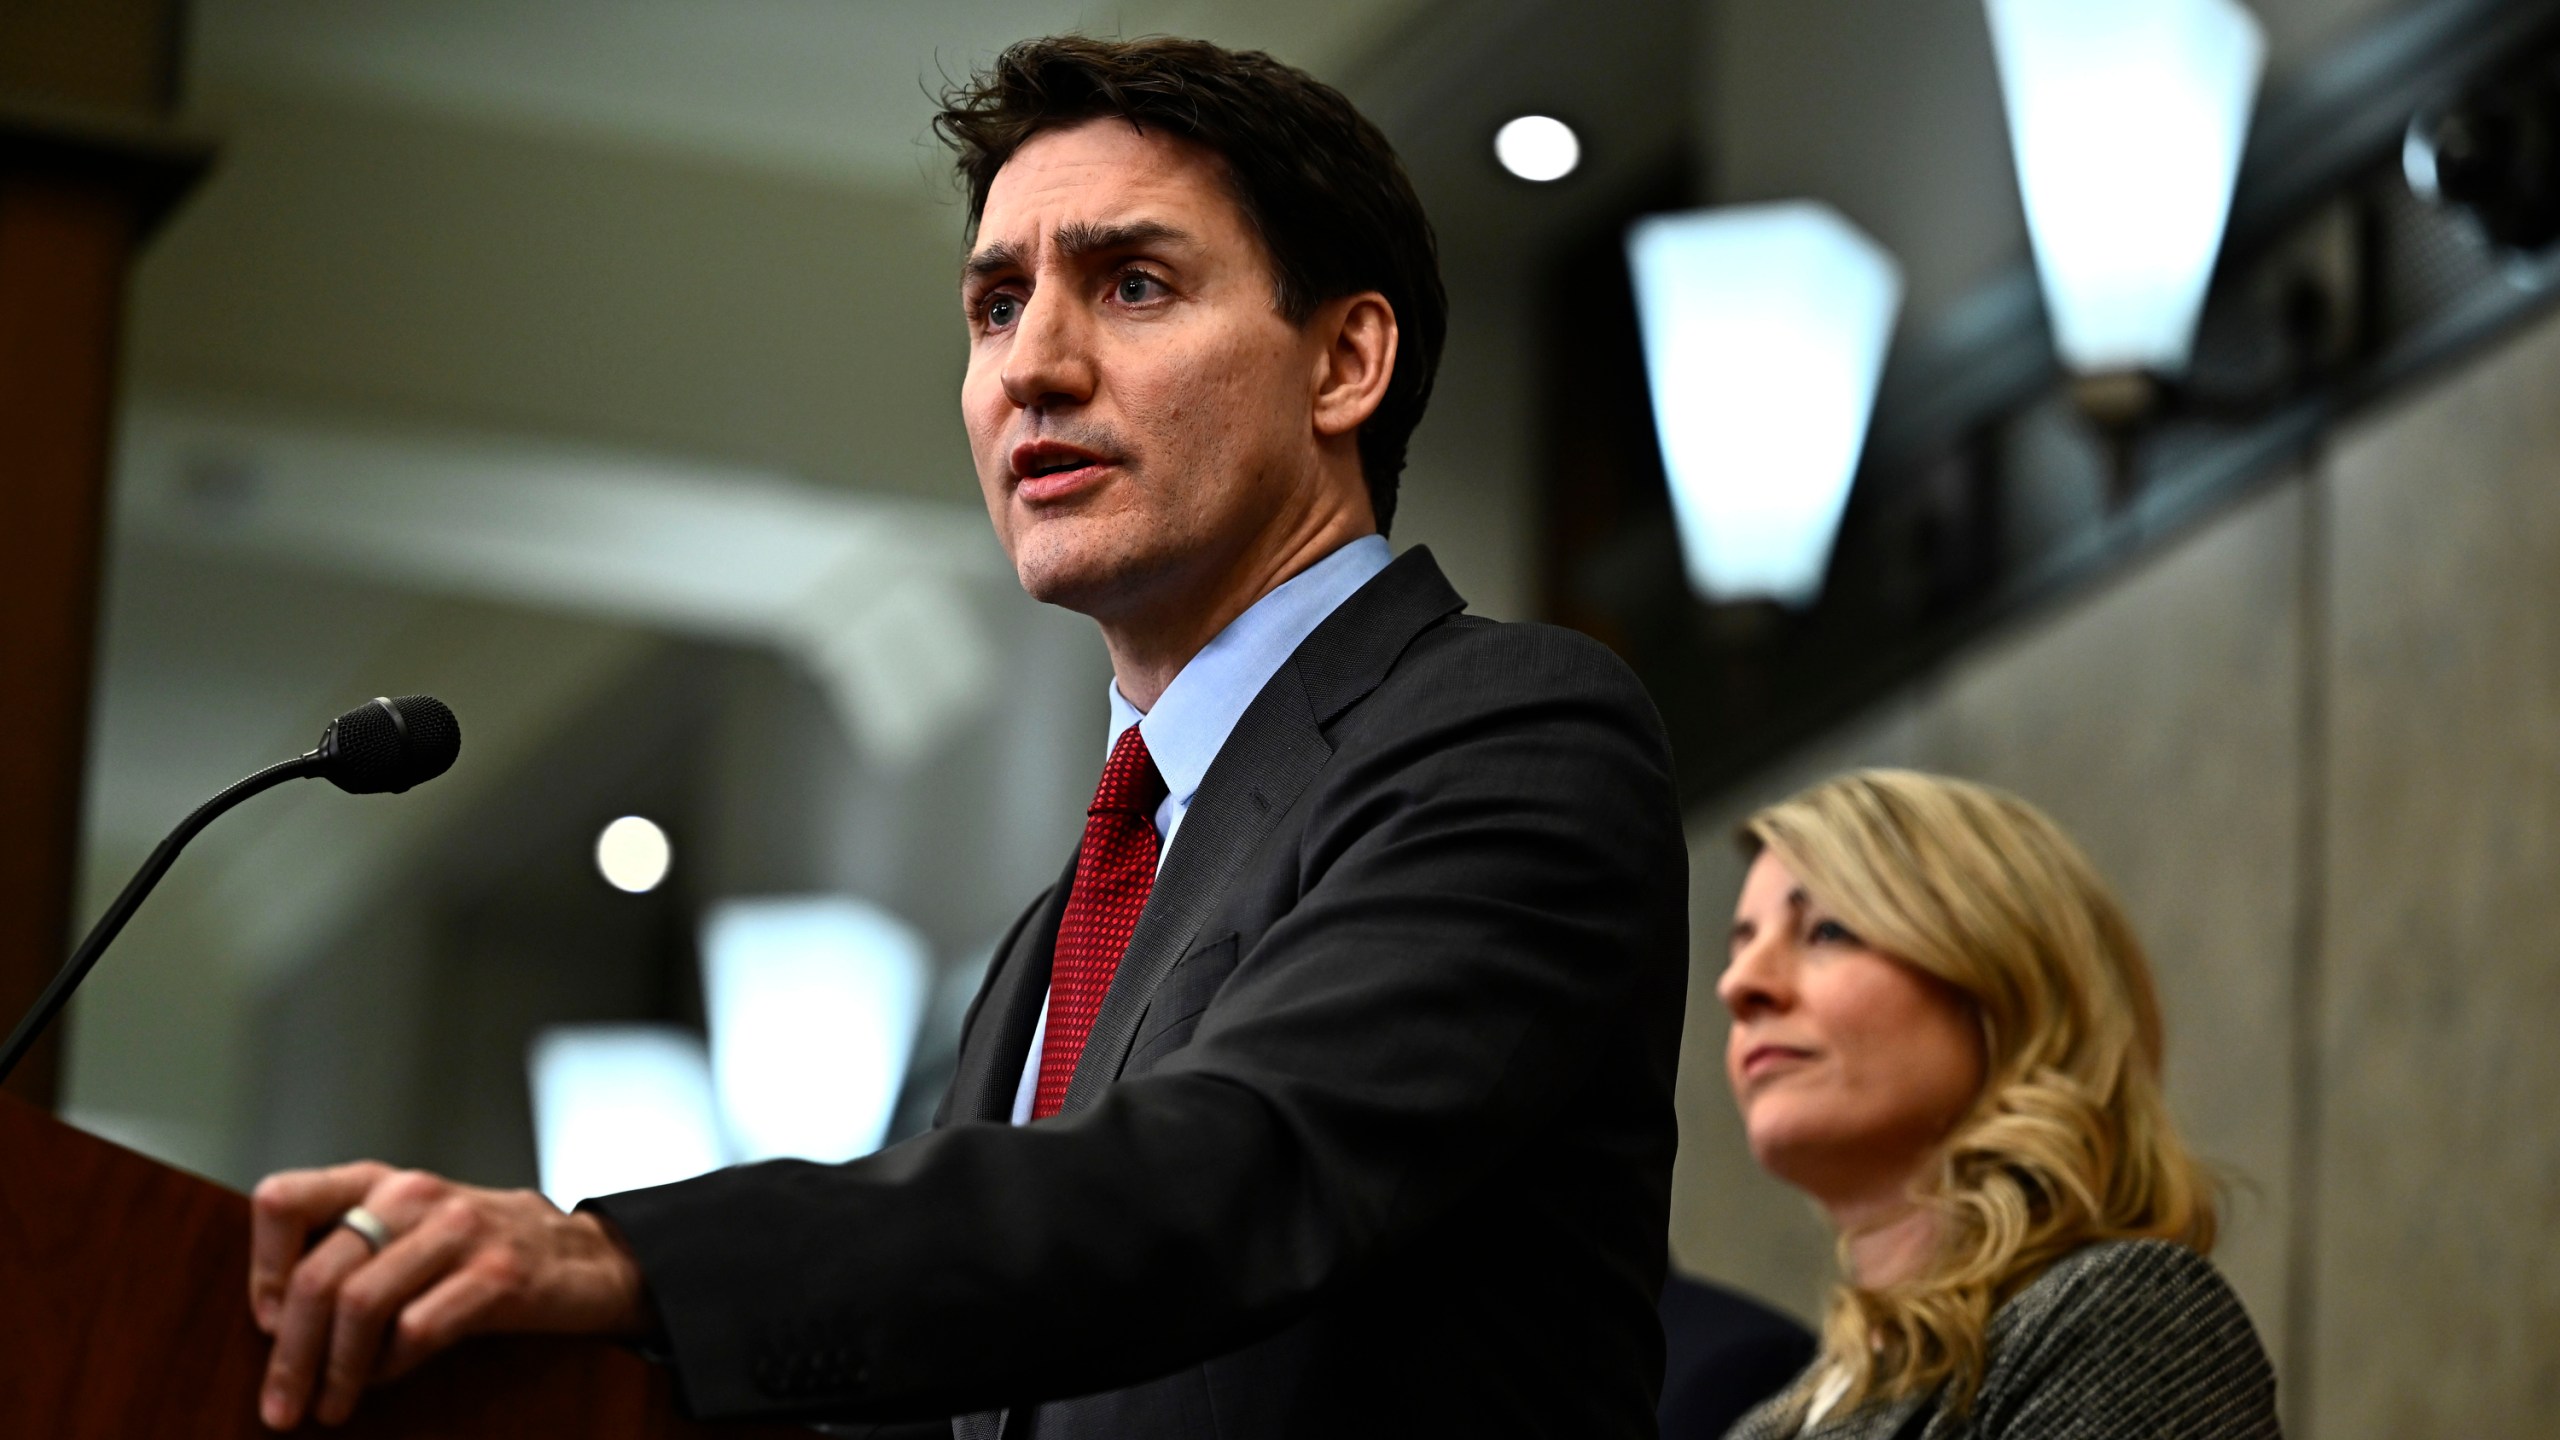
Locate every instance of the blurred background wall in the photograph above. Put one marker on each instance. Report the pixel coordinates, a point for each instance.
(507, 345)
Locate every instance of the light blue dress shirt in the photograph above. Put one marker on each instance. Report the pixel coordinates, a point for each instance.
(1196, 713)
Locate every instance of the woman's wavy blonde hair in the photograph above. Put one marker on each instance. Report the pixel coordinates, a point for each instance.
(2070, 1140)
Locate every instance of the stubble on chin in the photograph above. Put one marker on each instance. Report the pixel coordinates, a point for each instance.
(1107, 556)
(1050, 574)
(1081, 563)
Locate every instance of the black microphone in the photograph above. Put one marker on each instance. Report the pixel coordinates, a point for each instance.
(386, 746)
(381, 746)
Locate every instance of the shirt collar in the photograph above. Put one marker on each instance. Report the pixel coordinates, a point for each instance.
(1193, 717)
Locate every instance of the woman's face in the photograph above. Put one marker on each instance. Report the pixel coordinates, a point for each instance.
(1849, 1066)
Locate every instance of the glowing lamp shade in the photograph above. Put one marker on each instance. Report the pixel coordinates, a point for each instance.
(2126, 118)
(1765, 329)
(619, 1107)
(813, 1005)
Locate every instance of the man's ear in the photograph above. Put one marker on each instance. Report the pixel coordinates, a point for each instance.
(1356, 361)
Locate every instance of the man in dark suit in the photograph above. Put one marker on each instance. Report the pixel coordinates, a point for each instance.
(1328, 1093)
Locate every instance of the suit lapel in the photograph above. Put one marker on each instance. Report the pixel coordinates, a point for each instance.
(997, 1039)
(1278, 745)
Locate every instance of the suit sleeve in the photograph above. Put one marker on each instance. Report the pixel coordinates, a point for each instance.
(1492, 882)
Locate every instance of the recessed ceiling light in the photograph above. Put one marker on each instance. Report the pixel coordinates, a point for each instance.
(633, 854)
(1537, 147)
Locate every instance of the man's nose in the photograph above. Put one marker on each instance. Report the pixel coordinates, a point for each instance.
(1757, 979)
(1050, 361)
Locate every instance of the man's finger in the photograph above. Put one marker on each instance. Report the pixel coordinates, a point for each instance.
(455, 1308)
(283, 1211)
(374, 1296)
(302, 1326)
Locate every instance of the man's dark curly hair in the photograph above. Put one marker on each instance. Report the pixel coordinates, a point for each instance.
(1314, 178)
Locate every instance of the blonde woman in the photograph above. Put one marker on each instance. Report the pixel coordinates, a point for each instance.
(1944, 1031)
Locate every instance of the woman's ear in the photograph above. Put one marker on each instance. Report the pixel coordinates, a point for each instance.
(1357, 359)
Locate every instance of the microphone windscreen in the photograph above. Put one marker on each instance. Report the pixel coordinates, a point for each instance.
(386, 746)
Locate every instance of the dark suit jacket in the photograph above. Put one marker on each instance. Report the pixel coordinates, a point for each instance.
(1373, 1132)
(1723, 1352)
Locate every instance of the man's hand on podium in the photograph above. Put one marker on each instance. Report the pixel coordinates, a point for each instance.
(461, 1261)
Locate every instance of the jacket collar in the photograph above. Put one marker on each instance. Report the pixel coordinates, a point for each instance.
(1352, 651)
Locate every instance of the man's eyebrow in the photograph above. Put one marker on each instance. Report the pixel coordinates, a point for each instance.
(1083, 238)
(1001, 255)
(1078, 239)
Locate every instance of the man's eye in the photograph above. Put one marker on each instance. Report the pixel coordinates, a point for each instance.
(1138, 287)
(1002, 310)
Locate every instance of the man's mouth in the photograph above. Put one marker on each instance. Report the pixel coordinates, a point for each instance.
(1049, 470)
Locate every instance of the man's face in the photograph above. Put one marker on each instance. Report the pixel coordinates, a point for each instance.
(1136, 403)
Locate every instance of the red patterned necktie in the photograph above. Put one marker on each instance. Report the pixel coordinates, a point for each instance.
(1115, 868)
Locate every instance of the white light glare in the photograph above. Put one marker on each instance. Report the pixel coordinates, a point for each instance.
(619, 1107)
(813, 1004)
(633, 854)
(2127, 122)
(1537, 147)
(1765, 329)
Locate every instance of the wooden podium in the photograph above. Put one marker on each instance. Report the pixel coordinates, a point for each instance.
(124, 1315)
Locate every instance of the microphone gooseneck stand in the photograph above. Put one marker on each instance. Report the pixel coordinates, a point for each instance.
(68, 978)
(382, 746)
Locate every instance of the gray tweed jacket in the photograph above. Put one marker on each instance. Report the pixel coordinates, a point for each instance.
(2124, 1339)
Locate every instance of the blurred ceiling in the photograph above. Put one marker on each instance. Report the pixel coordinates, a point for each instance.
(867, 593)
(834, 87)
